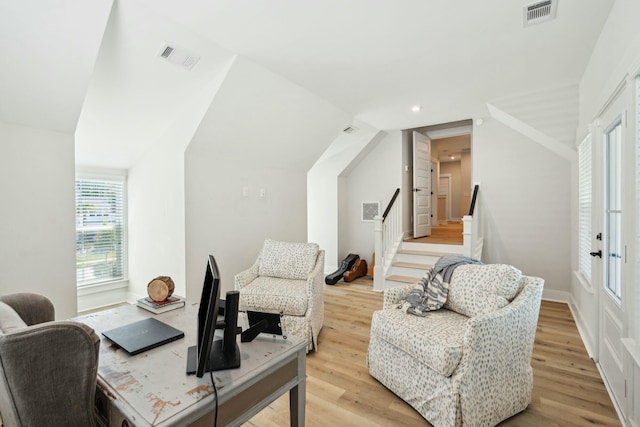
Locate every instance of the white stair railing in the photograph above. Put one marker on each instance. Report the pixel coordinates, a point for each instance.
(388, 236)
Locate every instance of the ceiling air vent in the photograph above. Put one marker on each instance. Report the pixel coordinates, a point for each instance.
(540, 11)
(178, 56)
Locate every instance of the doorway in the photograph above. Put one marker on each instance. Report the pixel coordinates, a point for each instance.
(450, 153)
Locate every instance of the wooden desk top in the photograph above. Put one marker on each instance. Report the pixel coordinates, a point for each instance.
(152, 387)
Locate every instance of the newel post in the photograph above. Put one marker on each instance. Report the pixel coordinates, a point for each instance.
(378, 269)
(467, 235)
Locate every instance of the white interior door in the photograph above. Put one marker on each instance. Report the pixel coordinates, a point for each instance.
(421, 185)
(608, 273)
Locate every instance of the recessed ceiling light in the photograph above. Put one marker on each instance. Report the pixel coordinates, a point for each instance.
(416, 108)
(453, 157)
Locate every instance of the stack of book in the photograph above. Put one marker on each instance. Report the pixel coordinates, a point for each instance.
(158, 307)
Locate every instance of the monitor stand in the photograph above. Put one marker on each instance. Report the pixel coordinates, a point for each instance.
(219, 359)
(224, 352)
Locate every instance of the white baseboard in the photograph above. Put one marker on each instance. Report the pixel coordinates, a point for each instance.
(558, 296)
(613, 401)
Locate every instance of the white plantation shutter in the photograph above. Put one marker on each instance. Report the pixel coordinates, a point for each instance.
(584, 207)
(100, 230)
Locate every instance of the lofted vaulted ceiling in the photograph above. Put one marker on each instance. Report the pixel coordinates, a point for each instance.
(371, 59)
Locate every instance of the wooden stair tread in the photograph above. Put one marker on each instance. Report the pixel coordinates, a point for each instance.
(424, 253)
(405, 279)
(413, 265)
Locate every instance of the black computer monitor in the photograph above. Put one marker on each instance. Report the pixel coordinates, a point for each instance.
(214, 354)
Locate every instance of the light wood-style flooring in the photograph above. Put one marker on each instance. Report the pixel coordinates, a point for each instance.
(568, 390)
(450, 233)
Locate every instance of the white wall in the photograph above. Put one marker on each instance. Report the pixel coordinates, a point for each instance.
(260, 132)
(156, 199)
(615, 55)
(326, 198)
(37, 207)
(525, 202)
(374, 178)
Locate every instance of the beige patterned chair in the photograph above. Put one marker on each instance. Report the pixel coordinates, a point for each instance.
(48, 368)
(286, 279)
(468, 363)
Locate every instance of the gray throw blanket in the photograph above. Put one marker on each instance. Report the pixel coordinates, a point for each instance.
(430, 293)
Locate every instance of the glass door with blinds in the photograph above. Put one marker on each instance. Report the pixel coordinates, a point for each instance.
(612, 152)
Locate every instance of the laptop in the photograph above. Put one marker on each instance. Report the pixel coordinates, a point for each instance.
(143, 335)
(273, 319)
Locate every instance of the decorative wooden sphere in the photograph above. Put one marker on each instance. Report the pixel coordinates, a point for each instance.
(160, 288)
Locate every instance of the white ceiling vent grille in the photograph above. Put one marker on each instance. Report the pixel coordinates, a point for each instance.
(178, 56)
(540, 11)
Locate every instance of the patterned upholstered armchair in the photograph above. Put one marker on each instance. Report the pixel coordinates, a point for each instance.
(49, 368)
(468, 363)
(286, 279)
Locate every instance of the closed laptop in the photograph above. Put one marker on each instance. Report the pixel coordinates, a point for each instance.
(143, 335)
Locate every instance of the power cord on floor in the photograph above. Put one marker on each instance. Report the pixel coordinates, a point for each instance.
(215, 392)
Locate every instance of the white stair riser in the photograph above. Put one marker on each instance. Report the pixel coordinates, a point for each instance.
(433, 247)
(419, 259)
(406, 271)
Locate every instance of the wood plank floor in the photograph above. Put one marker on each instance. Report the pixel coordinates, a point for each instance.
(450, 234)
(568, 390)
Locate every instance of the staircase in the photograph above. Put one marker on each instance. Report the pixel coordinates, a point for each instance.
(412, 261)
(399, 262)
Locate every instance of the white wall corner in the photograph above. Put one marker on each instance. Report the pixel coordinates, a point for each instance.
(530, 132)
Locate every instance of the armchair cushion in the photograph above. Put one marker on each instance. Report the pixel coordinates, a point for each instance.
(287, 260)
(436, 340)
(481, 289)
(275, 295)
(9, 319)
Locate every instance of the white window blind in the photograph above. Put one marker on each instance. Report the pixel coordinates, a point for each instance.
(584, 207)
(99, 230)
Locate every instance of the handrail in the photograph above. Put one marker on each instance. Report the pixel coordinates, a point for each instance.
(390, 205)
(473, 199)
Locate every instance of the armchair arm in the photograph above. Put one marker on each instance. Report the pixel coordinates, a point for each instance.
(393, 296)
(49, 374)
(245, 277)
(314, 279)
(32, 308)
(497, 354)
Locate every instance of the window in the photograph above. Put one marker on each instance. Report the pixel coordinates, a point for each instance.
(100, 229)
(584, 207)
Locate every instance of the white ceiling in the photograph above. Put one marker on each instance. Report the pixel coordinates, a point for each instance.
(371, 59)
(376, 59)
(47, 52)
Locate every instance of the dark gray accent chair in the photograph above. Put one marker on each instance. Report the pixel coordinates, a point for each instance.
(47, 368)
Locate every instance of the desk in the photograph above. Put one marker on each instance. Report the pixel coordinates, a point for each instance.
(152, 388)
